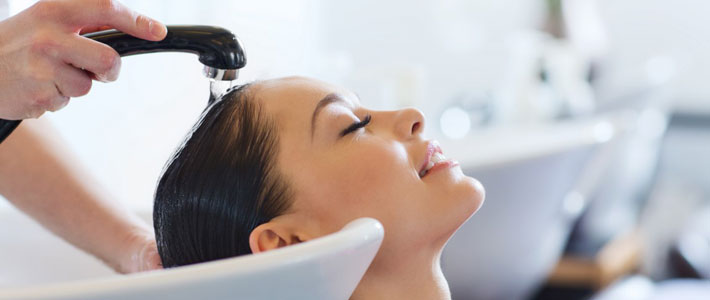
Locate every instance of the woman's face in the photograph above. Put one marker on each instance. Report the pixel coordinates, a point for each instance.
(337, 176)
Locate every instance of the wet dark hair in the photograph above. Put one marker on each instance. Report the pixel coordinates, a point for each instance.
(220, 184)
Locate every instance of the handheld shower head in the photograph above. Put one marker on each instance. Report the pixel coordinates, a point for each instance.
(218, 49)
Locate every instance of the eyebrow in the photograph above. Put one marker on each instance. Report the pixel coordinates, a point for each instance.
(328, 99)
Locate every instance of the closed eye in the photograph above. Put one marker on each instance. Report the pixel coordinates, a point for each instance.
(355, 126)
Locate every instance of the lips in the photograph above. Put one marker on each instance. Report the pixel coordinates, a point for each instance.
(433, 159)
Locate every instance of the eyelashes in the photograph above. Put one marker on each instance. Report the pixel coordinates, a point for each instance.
(355, 126)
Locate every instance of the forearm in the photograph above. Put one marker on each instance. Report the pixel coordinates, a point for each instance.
(41, 177)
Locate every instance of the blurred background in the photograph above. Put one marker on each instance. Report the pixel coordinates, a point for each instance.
(606, 102)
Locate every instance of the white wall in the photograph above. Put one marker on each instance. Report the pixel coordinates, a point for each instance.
(680, 30)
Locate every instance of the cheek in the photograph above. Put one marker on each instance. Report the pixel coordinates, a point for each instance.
(381, 171)
(385, 186)
(367, 180)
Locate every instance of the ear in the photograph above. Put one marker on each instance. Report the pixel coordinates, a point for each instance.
(274, 234)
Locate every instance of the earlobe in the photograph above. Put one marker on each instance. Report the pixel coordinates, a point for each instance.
(269, 236)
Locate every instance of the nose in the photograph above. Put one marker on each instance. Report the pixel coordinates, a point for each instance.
(409, 123)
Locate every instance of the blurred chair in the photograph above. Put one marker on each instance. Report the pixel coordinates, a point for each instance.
(329, 267)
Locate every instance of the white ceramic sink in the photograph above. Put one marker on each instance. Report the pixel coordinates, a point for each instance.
(537, 179)
(36, 265)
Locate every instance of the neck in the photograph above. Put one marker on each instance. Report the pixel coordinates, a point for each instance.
(413, 278)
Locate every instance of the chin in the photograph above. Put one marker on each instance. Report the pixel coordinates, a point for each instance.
(468, 193)
(477, 194)
(471, 196)
(467, 198)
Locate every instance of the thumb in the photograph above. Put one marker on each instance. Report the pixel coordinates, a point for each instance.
(152, 259)
(141, 255)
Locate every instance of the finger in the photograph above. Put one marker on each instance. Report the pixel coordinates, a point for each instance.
(46, 97)
(72, 82)
(153, 261)
(96, 13)
(59, 103)
(95, 57)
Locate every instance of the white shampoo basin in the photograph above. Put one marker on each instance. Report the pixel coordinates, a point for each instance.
(329, 267)
(537, 180)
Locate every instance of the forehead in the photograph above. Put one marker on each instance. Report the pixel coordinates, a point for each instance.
(301, 89)
(293, 98)
(290, 102)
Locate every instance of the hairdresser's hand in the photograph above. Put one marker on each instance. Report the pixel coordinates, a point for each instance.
(140, 254)
(44, 61)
